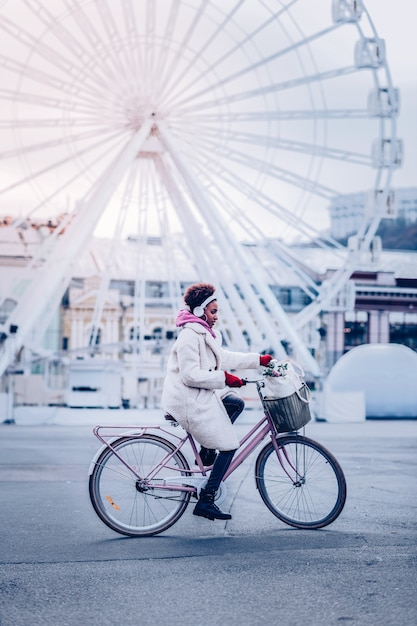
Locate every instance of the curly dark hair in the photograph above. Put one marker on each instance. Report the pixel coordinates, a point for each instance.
(196, 294)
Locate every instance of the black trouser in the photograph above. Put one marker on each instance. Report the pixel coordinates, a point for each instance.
(234, 407)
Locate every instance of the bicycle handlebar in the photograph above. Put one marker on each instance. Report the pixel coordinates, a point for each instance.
(259, 381)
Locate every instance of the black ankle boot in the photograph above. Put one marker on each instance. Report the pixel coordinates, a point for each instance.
(205, 507)
(207, 456)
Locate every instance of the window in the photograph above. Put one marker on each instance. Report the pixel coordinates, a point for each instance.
(285, 297)
(134, 336)
(156, 289)
(97, 341)
(157, 333)
(6, 308)
(404, 334)
(356, 333)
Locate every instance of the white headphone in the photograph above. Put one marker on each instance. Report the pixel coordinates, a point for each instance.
(198, 311)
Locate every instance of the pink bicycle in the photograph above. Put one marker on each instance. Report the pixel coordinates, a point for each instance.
(140, 481)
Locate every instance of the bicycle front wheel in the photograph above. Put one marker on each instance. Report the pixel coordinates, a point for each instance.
(302, 484)
(139, 507)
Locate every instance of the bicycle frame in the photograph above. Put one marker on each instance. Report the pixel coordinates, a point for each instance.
(246, 446)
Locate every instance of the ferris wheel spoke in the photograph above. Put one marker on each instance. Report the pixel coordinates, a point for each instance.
(47, 102)
(286, 264)
(184, 43)
(53, 143)
(68, 66)
(129, 21)
(326, 292)
(277, 248)
(161, 68)
(293, 146)
(268, 203)
(200, 255)
(73, 44)
(303, 279)
(112, 250)
(150, 50)
(280, 173)
(56, 164)
(271, 206)
(112, 65)
(219, 29)
(110, 27)
(273, 88)
(66, 186)
(57, 29)
(256, 117)
(266, 61)
(55, 123)
(47, 79)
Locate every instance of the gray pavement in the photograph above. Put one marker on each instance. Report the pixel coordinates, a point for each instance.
(60, 565)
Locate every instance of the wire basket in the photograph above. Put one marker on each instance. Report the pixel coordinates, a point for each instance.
(291, 413)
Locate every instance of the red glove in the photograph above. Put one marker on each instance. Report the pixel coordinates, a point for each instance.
(233, 381)
(264, 359)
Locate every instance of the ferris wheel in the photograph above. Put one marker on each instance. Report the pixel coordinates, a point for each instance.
(205, 123)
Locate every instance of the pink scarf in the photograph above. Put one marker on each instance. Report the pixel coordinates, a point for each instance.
(184, 317)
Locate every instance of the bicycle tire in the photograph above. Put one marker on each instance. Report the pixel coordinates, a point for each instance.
(303, 485)
(127, 505)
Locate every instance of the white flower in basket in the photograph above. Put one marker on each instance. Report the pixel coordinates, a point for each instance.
(286, 395)
(282, 379)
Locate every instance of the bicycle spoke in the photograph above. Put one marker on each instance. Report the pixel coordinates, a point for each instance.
(302, 484)
(135, 506)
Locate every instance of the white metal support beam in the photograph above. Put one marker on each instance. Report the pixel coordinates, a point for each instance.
(218, 232)
(49, 280)
(245, 272)
(202, 257)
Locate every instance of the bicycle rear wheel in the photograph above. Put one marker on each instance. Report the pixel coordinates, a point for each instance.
(302, 484)
(134, 507)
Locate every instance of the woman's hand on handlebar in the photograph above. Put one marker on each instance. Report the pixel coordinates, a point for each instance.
(233, 381)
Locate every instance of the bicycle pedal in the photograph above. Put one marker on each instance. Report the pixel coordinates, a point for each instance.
(194, 494)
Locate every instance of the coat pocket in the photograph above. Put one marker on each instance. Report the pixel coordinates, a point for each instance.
(204, 398)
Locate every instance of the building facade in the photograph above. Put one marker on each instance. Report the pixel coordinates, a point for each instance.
(138, 332)
(347, 211)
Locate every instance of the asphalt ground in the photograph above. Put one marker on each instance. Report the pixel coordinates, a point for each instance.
(59, 564)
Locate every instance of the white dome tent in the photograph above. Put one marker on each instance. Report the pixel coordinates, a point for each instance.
(372, 381)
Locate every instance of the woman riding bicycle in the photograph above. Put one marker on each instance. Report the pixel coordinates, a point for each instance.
(195, 389)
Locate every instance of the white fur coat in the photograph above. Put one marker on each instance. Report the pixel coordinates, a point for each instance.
(195, 384)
